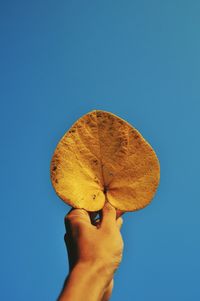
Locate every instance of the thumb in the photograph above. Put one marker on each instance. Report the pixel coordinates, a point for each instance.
(108, 215)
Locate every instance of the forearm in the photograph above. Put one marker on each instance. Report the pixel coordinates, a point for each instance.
(86, 283)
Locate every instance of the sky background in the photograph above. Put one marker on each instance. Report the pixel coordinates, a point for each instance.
(59, 60)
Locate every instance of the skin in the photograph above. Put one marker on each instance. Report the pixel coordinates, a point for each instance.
(95, 251)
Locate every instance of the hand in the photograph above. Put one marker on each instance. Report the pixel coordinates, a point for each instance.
(72, 256)
(99, 245)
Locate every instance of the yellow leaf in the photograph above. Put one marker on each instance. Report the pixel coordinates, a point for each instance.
(100, 158)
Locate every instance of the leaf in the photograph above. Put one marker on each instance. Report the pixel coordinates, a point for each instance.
(100, 158)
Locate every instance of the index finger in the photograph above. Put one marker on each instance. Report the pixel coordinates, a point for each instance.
(76, 216)
(108, 215)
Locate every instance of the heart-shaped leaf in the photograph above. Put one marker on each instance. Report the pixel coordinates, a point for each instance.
(100, 158)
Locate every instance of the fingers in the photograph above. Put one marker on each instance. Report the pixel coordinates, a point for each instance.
(108, 216)
(119, 223)
(76, 217)
(80, 216)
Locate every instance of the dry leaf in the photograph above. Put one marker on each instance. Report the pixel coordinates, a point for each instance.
(100, 158)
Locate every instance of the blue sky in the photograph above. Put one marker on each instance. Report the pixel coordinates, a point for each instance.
(137, 59)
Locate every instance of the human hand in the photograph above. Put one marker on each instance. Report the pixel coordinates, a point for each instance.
(72, 248)
(99, 244)
(95, 245)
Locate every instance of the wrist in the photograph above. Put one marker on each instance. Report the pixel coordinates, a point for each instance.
(86, 281)
(97, 270)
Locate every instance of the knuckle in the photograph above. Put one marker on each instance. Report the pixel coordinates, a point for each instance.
(68, 218)
(76, 212)
(71, 214)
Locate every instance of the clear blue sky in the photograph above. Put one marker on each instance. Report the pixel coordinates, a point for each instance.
(138, 59)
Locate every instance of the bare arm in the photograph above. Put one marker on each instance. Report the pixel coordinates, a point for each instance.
(95, 252)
